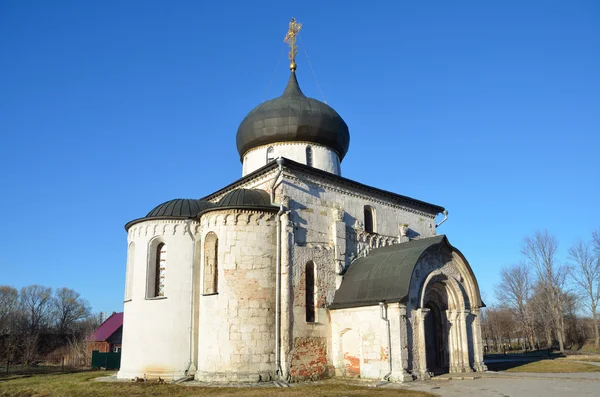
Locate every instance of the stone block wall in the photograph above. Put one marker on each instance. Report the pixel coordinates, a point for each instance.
(359, 342)
(325, 222)
(237, 324)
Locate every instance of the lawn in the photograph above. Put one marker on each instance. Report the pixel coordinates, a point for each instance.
(591, 358)
(83, 385)
(558, 365)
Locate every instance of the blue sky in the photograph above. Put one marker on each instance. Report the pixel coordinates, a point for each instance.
(108, 108)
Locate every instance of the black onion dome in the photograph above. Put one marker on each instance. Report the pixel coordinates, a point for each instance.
(246, 198)
(293, 117)
(180, 208)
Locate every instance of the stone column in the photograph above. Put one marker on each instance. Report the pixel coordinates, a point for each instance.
(455, 363)
(399, 353)
(339, 243)
(464, 340)
(421, 316)
(478, 365)
(286, 341)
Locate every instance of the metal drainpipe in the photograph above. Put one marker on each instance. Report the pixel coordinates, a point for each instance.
(383, 309)
(445, 212)
(188, 223)
(277, 272)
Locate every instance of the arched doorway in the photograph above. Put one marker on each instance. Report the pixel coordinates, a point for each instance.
(446, 340)
(436, 328)
(436, 343)
(351, 353)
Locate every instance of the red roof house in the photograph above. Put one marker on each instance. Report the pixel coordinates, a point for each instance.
(107, 337)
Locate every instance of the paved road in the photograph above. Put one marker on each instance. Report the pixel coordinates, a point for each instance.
(513, 385)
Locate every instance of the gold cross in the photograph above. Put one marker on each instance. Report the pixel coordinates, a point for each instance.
(290, 38)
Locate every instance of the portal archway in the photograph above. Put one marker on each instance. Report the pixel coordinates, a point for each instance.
(445, 343)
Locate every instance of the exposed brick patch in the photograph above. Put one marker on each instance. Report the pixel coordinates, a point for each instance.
(352, 365)
(309, 359)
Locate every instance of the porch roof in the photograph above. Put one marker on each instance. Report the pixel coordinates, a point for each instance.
(383, 275)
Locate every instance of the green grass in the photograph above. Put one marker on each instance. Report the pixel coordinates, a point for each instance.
(84, 385)
(553, 366)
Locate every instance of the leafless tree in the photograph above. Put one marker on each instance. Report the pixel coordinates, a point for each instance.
(68, 308)
(514, 291)
(498, 327)
(540, 252)
(29, 347)
(36, 303)
(585, 272)
(543, 317)
(9, 300)
(596, 243)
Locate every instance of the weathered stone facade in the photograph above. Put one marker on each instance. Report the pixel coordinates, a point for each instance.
(246, 283)
(232, 336)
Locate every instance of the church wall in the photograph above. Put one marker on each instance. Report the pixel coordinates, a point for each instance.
(359, 342)
(323, 157)
(309, 343)
(314, 202)
(156, 339)
(237, 324)
(326, 224)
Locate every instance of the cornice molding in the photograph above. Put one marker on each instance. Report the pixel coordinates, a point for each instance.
(341, 186)
(161, 227)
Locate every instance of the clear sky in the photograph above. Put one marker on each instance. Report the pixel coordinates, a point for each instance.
(108, 108)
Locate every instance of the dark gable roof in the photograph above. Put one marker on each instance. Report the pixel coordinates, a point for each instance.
(287, 163)
(383, 275)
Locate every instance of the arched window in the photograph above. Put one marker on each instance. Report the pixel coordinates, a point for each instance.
(309, 156)
(309, 279)
(369, 219)
(211, 265)
(270, 154)
(161, 270)
(129, 271)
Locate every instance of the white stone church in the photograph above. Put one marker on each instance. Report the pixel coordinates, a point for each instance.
(294, 272)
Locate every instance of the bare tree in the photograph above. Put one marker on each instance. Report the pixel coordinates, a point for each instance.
(36, 304)
(498, 327)
(9, 299)
(68, 308)
(514, 291)
(540, 250)
(585, 271)
(543, 317)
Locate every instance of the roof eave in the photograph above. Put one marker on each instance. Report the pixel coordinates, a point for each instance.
(154, 218)
(373, 302)
(239, 207)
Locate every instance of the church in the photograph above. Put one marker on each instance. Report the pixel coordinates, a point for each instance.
(294, 272)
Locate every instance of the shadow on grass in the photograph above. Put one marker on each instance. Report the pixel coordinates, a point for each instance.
(504, 362)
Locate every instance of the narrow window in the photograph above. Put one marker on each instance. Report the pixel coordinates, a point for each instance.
(369, 219)
(211, 266)
(309, 156)
(129, 271)
(310, 292)
(161, 269)
(270, 154)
